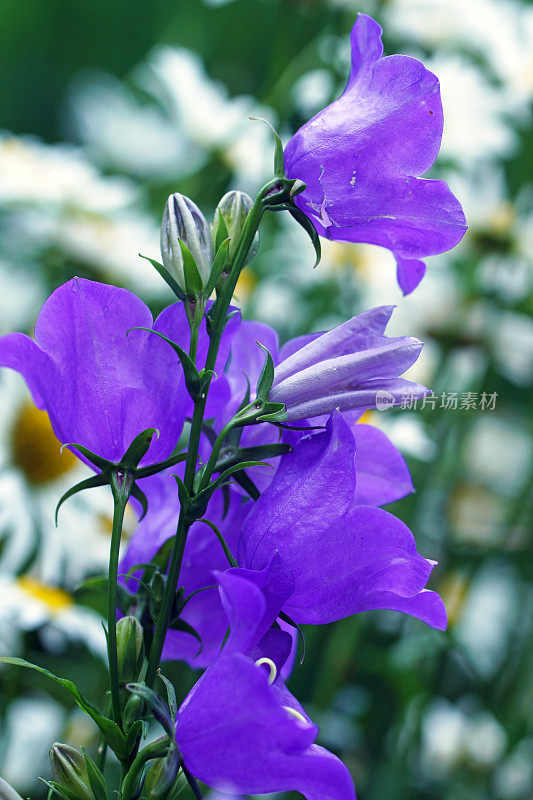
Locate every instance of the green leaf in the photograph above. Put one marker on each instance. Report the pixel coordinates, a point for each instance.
(138, 449)
(99, 584)
(303, 220)
(167, 277)
(88, 483)
(110, 730)
(171, 693)
(266, 378)
(246, 483)
(193, 279)
(100, 463)
(62, 791)
(219, 262)
(96, 779)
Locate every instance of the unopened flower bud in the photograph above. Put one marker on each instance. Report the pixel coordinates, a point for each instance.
(68, 768)
(161, 776)
(233, 208)
(130, 648)
(182, 219)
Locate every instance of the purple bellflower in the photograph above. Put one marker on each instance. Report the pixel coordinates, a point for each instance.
(363, 155)
(344, 558)
(239, 729)
(99, 386)
(353, 366)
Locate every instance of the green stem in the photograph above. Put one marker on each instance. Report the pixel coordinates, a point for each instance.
(157, 749)
(217, 329)
(121, 487)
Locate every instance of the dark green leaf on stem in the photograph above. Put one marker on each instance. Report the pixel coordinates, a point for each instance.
(167, 277)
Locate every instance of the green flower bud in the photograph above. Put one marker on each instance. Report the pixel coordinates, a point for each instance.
(182, 219)
(68, 768)
(161, 776)
(130, 648)
(7, 792)
(233, 209)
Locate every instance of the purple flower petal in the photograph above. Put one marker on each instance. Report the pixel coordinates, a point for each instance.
(100, 386)
(361, 157)
(321, 466)
(382, 475)
(236, 735)
(409, 273)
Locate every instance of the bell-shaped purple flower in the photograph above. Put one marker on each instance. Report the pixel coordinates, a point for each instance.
(239, 729)
(353, 366)
(362, 158)
(101, 387)
(344, 558)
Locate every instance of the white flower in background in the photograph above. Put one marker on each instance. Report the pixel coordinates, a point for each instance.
(23, 291)
(33, 476)
(476, 124)
(514, 778)
(488, 616)
(313, 91)
(500, 31)
(123, 132)
(186, 107)
(30, 726)
(452, 734)
(511, 336)
(59, 175)
(29, 604)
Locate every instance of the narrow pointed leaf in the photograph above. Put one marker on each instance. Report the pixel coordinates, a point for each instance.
(110, 730)
(171, 694)
(310, 229)
(88, 483)
(167, 277)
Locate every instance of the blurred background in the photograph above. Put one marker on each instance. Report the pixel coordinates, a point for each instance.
(106, 107)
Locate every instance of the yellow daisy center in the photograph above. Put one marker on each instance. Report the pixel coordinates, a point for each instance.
(35, 448)
(53, 598)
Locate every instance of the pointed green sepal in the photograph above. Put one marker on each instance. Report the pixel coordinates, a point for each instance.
(156, 704)
(96, 779)
(227, 552)
(97, 461)
(138, 449)
(171, 695)
(193, 279)
(246, 483)
(222, 233)
(303, 220)
(153, 469)
(273, 412)
(192, 376)
(139, 495)
(279, 163)
(88, 483)
(167, 277)
(218, 265)
(266, 378)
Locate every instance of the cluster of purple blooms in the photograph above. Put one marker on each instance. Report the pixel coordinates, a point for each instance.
(314, 545)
